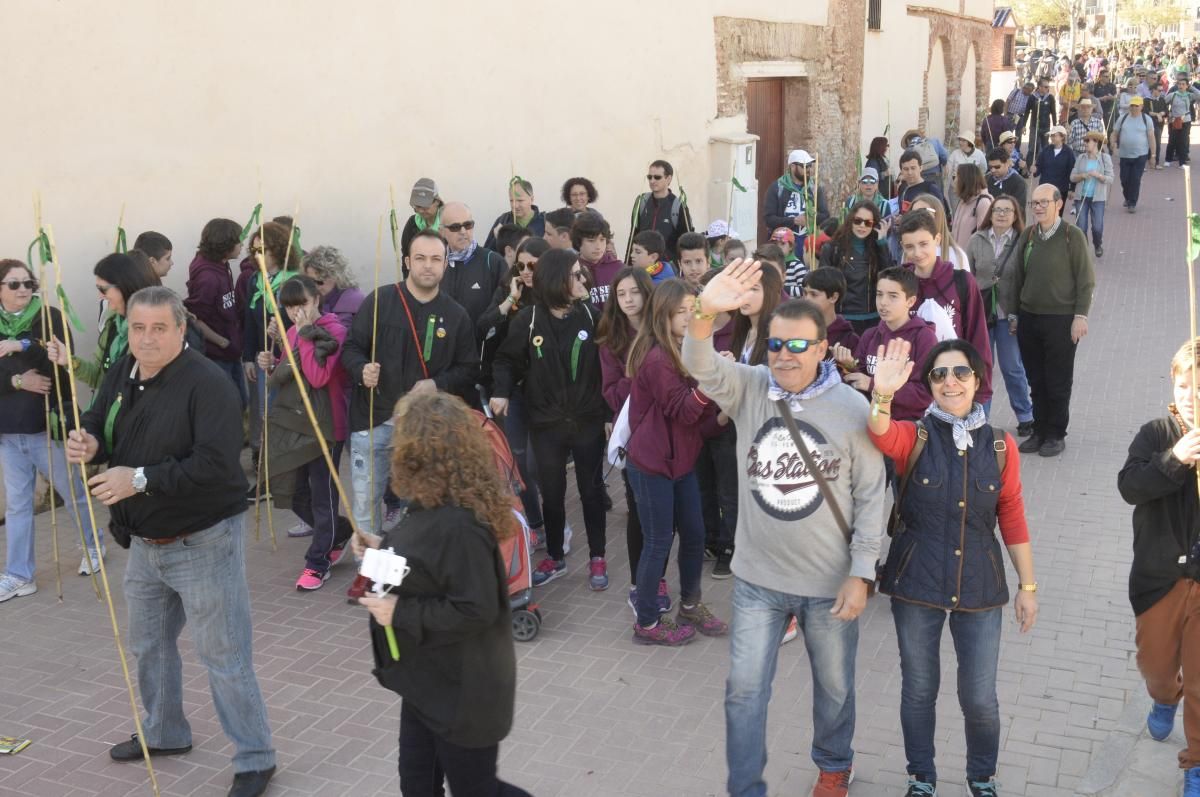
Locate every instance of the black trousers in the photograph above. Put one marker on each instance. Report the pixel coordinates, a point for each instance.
(1179, 143)
(428, 763)
(1049, 357)
(586, 444)
(716, 470)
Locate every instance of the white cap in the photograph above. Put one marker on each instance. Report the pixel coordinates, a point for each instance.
(717, 229)
(799, 156)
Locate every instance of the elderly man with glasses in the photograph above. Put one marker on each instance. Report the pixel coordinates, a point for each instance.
(1052, 288)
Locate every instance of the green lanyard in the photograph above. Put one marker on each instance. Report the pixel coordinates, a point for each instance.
(575, 347)
(429, 329)
(109, 422)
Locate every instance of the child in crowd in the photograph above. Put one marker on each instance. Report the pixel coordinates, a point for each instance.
(825, 288)
(647, 253)
(717, 234)
(592, 238)
(895, 295)
(692, 259)
(795, 269)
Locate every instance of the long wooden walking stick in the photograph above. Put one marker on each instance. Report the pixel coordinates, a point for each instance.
(42, 244)
(1193, 221)
(121, 245)
(65, 310)
(371, 395)
(50, 424)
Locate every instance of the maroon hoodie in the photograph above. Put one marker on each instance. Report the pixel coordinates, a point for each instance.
(841, 333)
(913, 399)
(970, 323)
(602, 277)
(210, 297)
(669, 418)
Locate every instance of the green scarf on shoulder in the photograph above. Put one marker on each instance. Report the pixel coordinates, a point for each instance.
(13, 325)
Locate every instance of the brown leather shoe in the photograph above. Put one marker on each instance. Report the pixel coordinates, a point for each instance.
(358, 588)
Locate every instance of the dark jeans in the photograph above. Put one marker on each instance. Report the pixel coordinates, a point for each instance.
(666, 504)
(1091, 213)
(1158, 128)
(586, 445)
(1132, 170)
(428, 763)
(316, 503)
(516, 429)
(1049, 357)
(1178, 143)
(716, 472)
(977, 645)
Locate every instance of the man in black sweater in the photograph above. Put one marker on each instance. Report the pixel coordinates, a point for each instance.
(165, 421)
(423, 341)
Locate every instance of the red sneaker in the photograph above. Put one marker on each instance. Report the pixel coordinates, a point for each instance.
(833, 784)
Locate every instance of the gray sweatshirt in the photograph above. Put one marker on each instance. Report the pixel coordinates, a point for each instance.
(787, 539)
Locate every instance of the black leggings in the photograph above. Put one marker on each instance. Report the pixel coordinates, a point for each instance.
(428, 763)
(586, 445)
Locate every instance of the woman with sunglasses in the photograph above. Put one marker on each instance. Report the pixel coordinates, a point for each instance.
(960, 476)
(671, 419)
(514, 294)
(859, 250)
(27, 396)
(551, 350)
(329, 269)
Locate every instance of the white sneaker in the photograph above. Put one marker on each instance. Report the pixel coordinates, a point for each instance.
(567, 533)
(90, 563)
(793, 630)
(301, 529)
(13, 587)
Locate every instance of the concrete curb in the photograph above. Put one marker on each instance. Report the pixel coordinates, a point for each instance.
(1113, 757)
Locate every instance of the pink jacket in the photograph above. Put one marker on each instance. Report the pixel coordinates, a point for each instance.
(330, 376)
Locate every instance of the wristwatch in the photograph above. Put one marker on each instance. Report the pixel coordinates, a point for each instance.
(17, 382)
(1029, 587)
(139, 479)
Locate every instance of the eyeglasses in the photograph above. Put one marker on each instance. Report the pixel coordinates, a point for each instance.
(858, 221)
(939, 374)
(319, 283)
(16, 285)
(256, 250)
(579, 275)
(999, 211)
(102, 288)
(794, 345)
(468, 225)
(526, 266)
(868, 181)
(655, 177)
(1041, 203)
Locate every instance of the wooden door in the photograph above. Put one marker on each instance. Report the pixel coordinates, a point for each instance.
(764, 112)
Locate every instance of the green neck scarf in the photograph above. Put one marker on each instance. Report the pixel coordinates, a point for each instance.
(787, 182)
(422, 225)
(119, 344)
(13, 325)
(280, 277)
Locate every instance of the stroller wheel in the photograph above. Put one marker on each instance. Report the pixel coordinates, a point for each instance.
(525, 625)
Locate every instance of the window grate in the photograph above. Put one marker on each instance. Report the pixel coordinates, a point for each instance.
(875, 15)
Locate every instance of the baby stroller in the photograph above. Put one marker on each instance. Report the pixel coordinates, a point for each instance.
(526, 618)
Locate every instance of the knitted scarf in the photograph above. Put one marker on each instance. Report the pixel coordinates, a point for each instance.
(12, 325)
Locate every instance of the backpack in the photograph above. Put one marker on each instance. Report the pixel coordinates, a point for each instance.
(676, 206)
(928, 153)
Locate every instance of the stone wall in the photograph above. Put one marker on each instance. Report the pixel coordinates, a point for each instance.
(827, 116)
(957, 35)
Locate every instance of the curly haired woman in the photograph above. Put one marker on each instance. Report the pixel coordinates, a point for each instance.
(456, 668)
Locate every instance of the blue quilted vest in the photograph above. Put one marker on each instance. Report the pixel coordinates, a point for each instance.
(947, 554)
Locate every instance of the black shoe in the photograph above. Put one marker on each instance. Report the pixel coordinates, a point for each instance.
(1052, 448)
(711, 553)
(132, 750)
(1024, 429)
(1099, 250)
(721, 568)
(1032, 445)
(251, 784)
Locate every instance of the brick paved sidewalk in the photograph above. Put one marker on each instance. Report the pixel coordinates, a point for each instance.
(598, 716)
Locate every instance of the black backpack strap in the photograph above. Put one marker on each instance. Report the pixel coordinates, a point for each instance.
(910, 466)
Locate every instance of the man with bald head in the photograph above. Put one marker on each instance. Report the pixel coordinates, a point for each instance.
(1048, 301)
(473, 272)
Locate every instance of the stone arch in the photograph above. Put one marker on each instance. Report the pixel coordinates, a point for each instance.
(937, 87)
(968, 101)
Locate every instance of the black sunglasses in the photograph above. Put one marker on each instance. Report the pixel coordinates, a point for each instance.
(319, 283)
(857, 222)
(16, 285)
(656, 177)
(794, 345)
(469, 224)
(939, 374)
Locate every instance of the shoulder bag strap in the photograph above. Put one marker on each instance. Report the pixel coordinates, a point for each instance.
(910, 466)
(811, 464)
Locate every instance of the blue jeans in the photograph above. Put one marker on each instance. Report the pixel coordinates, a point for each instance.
(22, 458)
(516, 429)
(1089, 211)
(664, 505)
(760, 617)
(977, 645)
(200, 579)
(366, 445)
(1131, 178)
(1007, 354)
